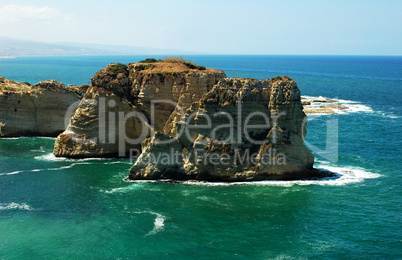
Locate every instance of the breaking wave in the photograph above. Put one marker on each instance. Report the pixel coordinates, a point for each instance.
(16, 206)
(342, 176)
(350, 106)
(159, 222)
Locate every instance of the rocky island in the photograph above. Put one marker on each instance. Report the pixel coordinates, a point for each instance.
(240, 130)
(181, 121)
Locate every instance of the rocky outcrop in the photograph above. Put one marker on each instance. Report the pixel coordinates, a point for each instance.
(240, 130)
(40, 110)
(322, 105)
(125, 104)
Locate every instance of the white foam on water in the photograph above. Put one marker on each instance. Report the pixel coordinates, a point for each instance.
(68, 166)
(47, 169)
(343, 176)
(123, 189)
(26, 137)
(49, 157)
(45, 137)
(10, 173)
(148, 181)
(91, 159)
(355, 107)
(311, 97)
(211, 199)
(41, 149)
(14, 205)
(52, 158)
(159, 222)
(387, 114)
(17, 172)
(352, 106)
(118, 162)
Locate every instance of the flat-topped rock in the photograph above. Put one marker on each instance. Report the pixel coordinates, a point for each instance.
(38, 110)
(147, 93)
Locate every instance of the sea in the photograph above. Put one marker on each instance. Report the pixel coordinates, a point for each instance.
(57, 208)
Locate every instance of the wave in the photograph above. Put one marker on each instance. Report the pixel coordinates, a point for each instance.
(46, 169)
(159, 222)
(67, 166)
(28, 137)
(49, 157)
(41, 149)
(10, 173)
(211, 200)
(346, 107)
(123, 189)
(17, 206)
(342, 176)
(124, 162)
(52, 158)
(389, 115)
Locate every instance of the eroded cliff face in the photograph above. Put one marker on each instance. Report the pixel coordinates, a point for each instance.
(240, 130)
(39, 110)
(125, 104)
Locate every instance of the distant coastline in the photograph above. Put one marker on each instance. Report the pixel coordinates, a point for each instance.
(8, 57)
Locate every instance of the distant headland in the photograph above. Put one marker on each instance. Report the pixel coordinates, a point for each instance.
(21, 48)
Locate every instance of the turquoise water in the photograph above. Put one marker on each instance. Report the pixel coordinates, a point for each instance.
(59, 208)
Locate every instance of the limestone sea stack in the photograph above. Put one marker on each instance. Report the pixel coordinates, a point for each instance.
(240, 130)
(126, 104)
(38, 110)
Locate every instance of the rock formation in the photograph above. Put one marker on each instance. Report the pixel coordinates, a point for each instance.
(322, 105)
(39, 110)
(125, 104)
(186, 122)
(240, 130)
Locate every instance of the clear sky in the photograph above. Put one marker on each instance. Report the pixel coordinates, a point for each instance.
(346, 27)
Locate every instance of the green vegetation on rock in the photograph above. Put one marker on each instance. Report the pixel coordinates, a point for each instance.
(281, 78)
(194, 66)
(149, 60)
(189, 63)
(143, 67)
(8, 88)
(117, 68)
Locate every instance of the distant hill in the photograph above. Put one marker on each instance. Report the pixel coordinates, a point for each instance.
(13, 47)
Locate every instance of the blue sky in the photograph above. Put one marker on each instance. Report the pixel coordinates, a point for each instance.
(217, 27)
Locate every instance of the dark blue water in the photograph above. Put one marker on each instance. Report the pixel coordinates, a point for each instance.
(53, 208)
